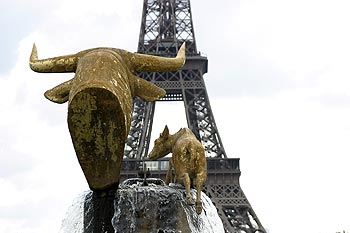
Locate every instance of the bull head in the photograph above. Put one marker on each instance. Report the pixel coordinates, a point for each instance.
(100, 102)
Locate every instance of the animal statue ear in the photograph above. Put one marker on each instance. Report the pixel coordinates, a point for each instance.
(165, 133)
(145, 89)
(60, 93)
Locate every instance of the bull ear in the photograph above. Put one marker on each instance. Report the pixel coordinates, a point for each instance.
(165, 133)
(60, 93)
(145, 89)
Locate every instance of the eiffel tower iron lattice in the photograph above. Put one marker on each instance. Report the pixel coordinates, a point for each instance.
(165, 25)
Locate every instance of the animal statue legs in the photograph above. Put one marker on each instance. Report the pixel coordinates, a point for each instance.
(185, 178)
(169, 174)
(200, 180)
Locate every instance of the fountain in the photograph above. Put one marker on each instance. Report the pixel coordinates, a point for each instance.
(137, 207)
(99, 115)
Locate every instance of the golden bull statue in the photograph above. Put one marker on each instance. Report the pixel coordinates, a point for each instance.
(100, 103)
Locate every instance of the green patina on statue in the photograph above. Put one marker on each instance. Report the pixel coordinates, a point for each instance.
(100, 103)
(188, 159)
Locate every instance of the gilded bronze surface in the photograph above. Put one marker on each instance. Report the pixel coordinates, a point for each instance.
(188, 160)
(100, 102)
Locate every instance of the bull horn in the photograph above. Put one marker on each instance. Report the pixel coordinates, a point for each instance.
(149, 63)
(52, 65)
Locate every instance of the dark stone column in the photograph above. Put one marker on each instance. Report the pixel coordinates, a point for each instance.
(99, 211)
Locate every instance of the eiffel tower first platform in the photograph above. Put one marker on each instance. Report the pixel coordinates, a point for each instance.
(165, 25)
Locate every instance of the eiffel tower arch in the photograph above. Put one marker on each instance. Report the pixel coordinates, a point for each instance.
(165, 25)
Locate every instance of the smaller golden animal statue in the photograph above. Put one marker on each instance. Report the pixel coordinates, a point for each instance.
(188, 160)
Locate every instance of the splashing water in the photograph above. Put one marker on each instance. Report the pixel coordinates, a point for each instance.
(74, 220)
(209, 218)
(153, 208)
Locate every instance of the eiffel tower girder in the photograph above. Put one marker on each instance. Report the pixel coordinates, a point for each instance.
(165, 25)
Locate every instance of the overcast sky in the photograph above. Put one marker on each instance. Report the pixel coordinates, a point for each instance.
(278, 83)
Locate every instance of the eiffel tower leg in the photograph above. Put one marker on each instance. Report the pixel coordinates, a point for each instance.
(224, 190)
(140, 132)
(201, 121)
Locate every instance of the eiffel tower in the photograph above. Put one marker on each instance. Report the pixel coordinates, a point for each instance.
(165, 25)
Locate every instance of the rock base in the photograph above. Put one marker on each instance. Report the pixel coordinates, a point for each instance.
(137, 207)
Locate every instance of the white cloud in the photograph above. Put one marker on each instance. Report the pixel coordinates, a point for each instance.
(294, 150)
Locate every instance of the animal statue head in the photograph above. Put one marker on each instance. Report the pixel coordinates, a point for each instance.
(100, 102)
(162, 145)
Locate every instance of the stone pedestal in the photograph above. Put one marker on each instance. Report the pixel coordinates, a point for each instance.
(152, 207)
